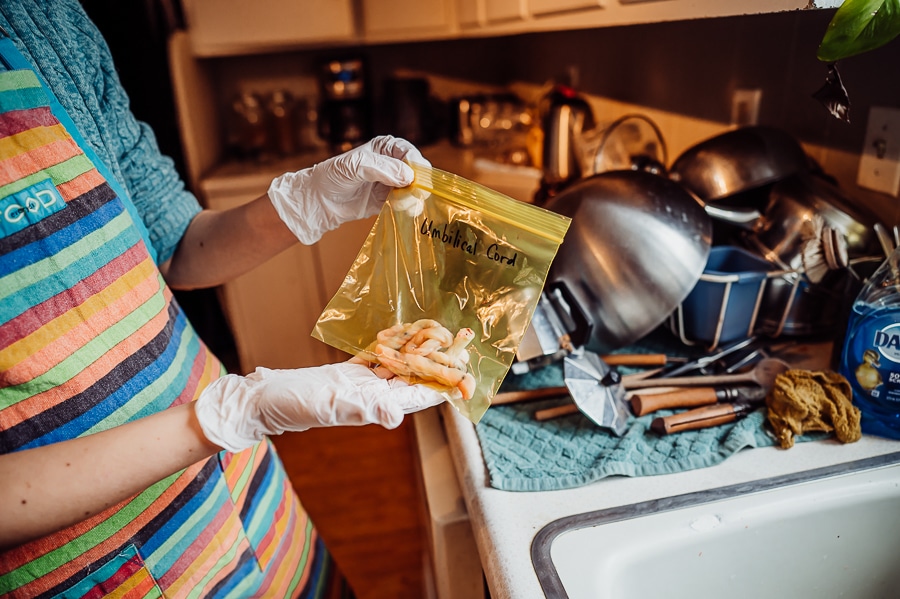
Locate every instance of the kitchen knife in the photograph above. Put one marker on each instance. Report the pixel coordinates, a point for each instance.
(704, 417)
(692, 397)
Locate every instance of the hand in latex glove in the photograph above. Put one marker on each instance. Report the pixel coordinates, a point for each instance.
(347, 187)
(236, 412)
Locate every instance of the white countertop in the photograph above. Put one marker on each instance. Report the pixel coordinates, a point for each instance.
(505, 522)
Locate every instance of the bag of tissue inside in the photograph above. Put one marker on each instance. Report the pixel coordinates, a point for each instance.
(451, 251)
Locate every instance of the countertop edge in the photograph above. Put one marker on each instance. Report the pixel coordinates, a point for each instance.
(506, 522)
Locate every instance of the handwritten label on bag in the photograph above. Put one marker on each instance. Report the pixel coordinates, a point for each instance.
(466, 241)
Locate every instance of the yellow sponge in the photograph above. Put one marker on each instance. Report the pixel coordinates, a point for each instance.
(805, 401)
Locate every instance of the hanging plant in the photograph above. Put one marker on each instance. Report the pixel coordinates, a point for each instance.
(859, 26)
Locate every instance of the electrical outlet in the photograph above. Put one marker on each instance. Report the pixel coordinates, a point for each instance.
(745, 107)
(879, 163)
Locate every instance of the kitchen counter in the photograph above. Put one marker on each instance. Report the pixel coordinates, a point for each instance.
(505, 523)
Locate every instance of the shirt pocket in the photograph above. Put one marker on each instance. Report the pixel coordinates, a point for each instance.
(123, 575)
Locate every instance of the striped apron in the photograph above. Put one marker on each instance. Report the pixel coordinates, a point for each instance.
(90, 338)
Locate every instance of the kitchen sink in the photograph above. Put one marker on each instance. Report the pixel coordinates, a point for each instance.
(825, 533)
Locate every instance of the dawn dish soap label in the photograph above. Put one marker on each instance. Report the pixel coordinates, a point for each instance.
(871, 364)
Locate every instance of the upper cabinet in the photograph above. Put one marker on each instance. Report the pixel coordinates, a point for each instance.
(407, 20)
(549, 15)
(230, 27)
(545, 7)
(499, 11)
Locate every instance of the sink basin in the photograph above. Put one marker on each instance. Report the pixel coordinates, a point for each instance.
(830, 532)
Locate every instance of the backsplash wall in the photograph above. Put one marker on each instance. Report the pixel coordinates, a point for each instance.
(682, 74)
(689, 69)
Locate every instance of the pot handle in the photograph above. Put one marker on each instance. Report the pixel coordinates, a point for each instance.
(575, 319)
(738, 216)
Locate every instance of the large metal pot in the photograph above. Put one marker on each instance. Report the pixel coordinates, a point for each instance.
(738, 161)
(797, 200)
(791, 305)
(637, 245)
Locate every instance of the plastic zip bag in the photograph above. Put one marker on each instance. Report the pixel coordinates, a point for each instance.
(467, 257)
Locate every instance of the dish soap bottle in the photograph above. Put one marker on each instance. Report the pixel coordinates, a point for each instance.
(870, 360)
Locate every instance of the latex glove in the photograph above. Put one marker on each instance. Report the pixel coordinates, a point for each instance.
(236, 412)
(347, 187)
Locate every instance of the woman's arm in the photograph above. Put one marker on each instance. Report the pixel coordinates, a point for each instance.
(298, 206)
(51, 487)
(221, 245)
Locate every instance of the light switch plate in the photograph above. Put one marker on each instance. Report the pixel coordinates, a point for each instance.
(879, 163)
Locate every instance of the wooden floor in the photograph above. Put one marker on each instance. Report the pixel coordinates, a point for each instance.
(359, 486)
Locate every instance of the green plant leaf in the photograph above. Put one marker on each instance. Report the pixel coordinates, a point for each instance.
(859, 26)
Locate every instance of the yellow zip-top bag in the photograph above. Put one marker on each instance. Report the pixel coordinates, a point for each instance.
(466, 257)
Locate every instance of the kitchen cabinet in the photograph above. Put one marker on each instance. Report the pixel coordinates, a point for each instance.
(234, 27)
(498, 11)
(542, 7)
(390, 20)
(230, 27)
(557, 15)
(470, 13)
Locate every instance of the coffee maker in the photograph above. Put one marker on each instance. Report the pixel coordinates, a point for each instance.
(344, 120)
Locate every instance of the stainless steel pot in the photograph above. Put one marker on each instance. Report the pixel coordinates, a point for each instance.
(637, 245)
(795, 201)
(738, 161)
(791, 305)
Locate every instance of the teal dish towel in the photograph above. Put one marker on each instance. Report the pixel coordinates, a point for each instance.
(523, 454)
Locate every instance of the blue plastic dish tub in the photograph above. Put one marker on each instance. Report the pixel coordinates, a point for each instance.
(724, 303)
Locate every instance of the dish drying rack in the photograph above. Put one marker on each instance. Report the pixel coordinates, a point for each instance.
(794, 278)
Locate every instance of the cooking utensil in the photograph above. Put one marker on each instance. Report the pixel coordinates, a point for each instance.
(884, 238)
(704, 361)
(702, 417)
(631, 360)
(797, 200)
(597, 391)
(693, 397)
(640, 359)
(791, 304)
(738, 161)
(636, 247)
(508, 397)
(594, 387)
(763, 374)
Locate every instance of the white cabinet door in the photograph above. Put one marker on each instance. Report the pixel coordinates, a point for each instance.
(470, 13)
(385, 20)
(498, 11)
(542, 7)
(227, 27)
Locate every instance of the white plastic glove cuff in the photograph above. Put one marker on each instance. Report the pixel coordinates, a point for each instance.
(347, 187)
(237, 412)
